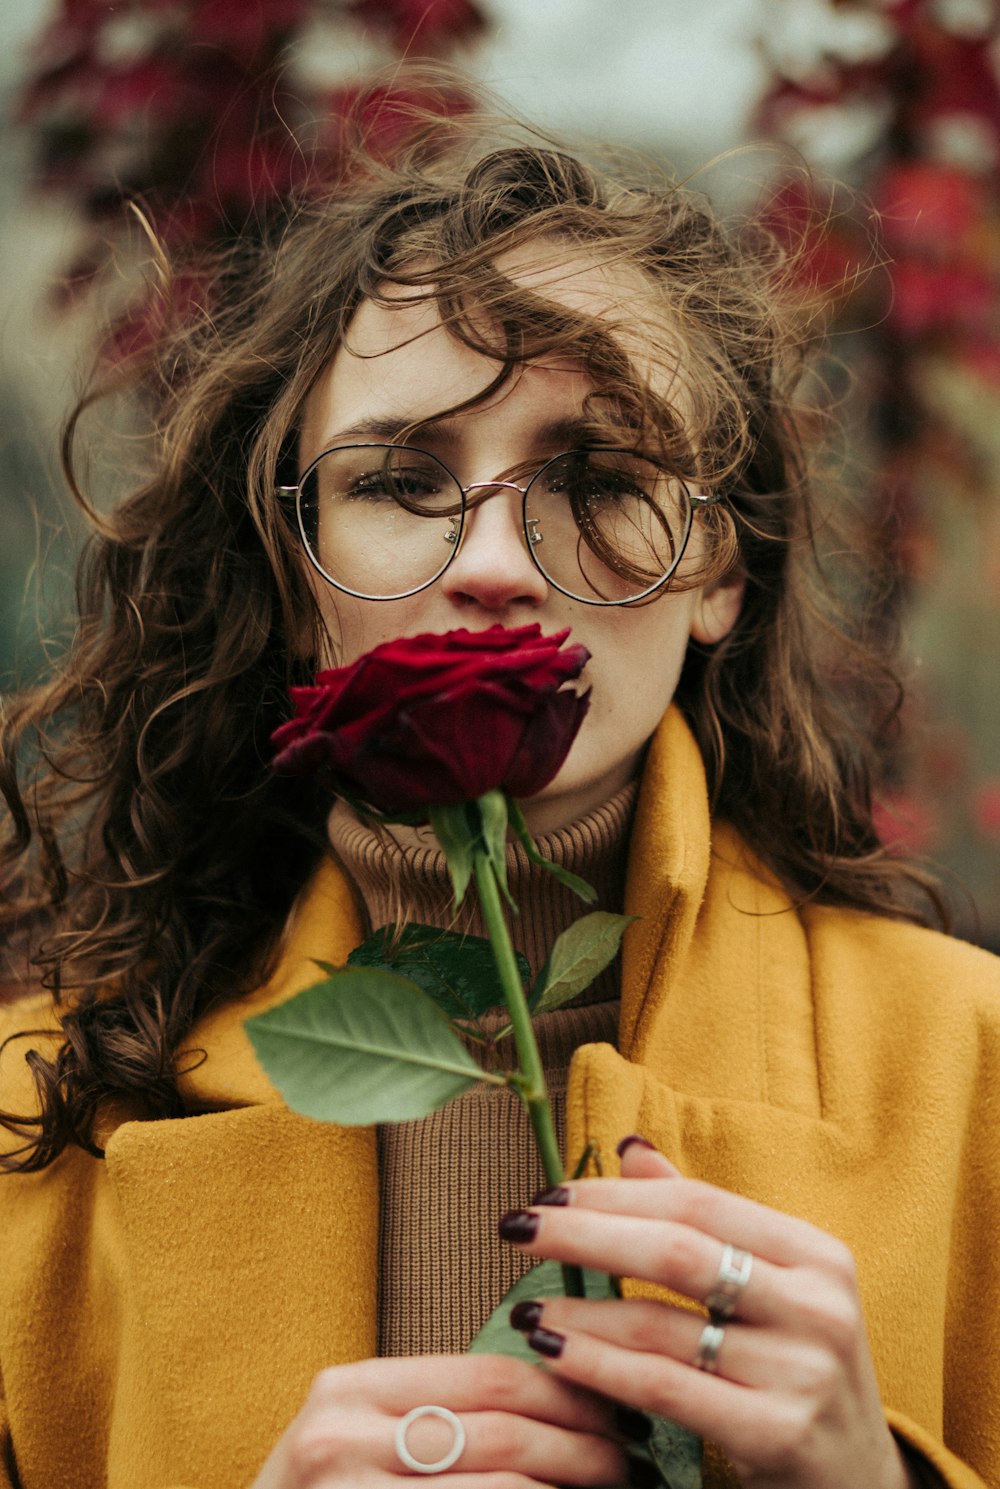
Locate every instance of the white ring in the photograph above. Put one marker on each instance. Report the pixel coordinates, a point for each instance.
(441, 1465)
(734, 1274)
(713, 1337)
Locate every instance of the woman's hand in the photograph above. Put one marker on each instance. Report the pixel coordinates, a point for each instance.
(791, 1397)
(522, 1428)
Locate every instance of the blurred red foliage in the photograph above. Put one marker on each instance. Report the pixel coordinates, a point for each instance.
(199, 111)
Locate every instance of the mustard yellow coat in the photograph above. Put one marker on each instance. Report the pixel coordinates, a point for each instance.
(163, 1312)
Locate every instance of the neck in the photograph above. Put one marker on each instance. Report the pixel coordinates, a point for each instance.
(401, 874)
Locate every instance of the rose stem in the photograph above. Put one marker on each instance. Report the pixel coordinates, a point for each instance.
(533, 1092)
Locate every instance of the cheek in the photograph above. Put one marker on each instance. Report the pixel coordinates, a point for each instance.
(355, 626)
(639, 660)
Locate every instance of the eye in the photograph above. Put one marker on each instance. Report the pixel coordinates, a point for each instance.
(595, 483)
(382, 483)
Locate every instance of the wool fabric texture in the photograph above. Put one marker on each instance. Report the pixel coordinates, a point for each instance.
(163, 1311)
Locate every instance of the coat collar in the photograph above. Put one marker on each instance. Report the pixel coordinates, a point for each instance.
(667, 872)
(669, 860)
(325, 925)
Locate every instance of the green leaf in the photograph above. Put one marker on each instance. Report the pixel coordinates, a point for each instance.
(458, 838)
(496, 1337)
(583, 950)
(676, 1453)
(673, 1451)
(493, 817)
(459, 972)
(365, 1046)
(580, 887)
(538, 986)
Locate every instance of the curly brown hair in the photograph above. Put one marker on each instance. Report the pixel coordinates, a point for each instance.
(152, 857)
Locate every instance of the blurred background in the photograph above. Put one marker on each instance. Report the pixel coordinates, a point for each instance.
(186, 105)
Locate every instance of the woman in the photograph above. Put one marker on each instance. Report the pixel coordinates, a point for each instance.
(230, 1295)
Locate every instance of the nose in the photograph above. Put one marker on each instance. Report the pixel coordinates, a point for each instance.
(492, 567)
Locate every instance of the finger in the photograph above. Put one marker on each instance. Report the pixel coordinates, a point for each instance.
(501, 1480)
(780, 1239)
(495, 1440)
(671, 1255)
(640, 1160)
(752, 1356)
(463, 1383)
(709, 1404)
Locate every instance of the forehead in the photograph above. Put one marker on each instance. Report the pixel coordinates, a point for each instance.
(398, 359)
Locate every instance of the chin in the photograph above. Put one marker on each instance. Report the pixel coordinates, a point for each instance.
(575, 791)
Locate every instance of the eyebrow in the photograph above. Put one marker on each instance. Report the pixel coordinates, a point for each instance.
(566, 433)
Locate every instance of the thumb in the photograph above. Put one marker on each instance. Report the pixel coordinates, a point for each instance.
(640, 1160)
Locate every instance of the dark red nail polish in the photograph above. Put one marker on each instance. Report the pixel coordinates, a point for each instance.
(633, 1137)
(525, 1316)
(518, 1225)
(559, 1195)
(635, 1425)
(642, 1474)
(547, 1343)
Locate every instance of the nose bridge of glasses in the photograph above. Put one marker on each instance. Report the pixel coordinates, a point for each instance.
(488, 489)
(475, 495)
(478, 493)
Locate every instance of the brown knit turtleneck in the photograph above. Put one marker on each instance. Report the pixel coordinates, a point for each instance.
(445, 1180)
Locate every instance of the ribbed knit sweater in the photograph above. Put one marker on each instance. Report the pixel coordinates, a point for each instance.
(445, 1180)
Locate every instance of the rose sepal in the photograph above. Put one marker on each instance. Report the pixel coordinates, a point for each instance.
(580, 887)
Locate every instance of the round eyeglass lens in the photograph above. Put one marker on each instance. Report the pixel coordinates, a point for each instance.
(606, 526)
(379, 521)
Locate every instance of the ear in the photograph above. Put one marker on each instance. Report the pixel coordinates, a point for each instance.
(717, 608)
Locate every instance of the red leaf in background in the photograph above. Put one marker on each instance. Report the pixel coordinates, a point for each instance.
(905, 824)
(830, 259)
(244, 170)
(928, 206)
(937, 297)
(245, 27)
(385, 118)
(186, 105)
(154, 86)
(949, 74)
(145, 322)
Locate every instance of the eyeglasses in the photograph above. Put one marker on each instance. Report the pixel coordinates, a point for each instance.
(603, 526)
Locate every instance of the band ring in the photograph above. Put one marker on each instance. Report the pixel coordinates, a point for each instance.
(734, 1274)
(711, 1341)
(440, 1465)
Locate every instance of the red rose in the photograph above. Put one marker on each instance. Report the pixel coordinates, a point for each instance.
(436, 720)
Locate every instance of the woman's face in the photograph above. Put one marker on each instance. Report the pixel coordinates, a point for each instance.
(401, 366)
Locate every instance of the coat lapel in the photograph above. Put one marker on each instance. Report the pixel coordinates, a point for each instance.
(246, 1241)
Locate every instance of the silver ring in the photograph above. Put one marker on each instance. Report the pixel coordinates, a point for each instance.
(707, 1358)
(440, 1465)
(734, 1274)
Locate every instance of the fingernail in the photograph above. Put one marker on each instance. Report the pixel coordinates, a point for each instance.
(559, 1195)
(642, 1474)
(547, 1343)
(518, 1225)
(525, 1316)
(627, 1142)
(635, 1425)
